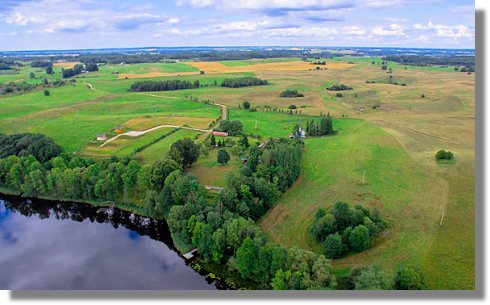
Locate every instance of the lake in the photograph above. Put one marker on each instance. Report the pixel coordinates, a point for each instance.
(61, 245)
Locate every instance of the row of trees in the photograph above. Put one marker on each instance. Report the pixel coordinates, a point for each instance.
(166, 85)
(243, 82)
(432, 60)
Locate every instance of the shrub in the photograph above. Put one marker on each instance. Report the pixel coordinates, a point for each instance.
(291, 93)
(339, 87)
(223, 157)
(409, 279)
(46, 93)
(444, 155)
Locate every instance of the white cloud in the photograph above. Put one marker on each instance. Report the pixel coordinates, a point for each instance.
(54, 16)
(265, 4)
(448, 31)
(393, 30)
(173, 20)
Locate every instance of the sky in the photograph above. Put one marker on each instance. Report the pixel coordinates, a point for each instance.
(84, 24)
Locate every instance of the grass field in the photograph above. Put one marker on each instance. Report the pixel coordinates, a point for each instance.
(389, 132)
(210, 172)
(159, 149)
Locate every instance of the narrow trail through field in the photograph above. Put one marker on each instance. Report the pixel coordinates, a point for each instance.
(89, 85)
(159, 96)
(137, 133)
(415, 131)
(15, 81)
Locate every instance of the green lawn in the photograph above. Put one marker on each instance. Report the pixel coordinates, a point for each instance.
(159, 149)
(333, 169)
(210, 172)
(269, 124)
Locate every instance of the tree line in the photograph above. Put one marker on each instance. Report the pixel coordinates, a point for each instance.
(166, 85)
(432, 60)
(243, 82)
(115, 58)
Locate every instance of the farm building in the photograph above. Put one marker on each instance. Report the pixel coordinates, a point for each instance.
(118, 129)
(101, 137)
(220, 134)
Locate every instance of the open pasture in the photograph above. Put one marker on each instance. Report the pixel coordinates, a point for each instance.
(389, 132)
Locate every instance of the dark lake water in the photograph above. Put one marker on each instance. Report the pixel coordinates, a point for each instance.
(56, 245)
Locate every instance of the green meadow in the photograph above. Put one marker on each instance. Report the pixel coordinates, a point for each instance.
(382, 155)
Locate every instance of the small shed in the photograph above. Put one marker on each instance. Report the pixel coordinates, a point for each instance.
(220, 133)
(101, 137)
(118, 129)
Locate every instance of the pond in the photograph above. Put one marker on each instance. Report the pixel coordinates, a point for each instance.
(61, 245)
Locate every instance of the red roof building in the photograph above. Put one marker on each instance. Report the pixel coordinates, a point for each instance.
(220, 134)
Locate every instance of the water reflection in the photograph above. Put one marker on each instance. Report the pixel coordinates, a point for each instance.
(54, 245)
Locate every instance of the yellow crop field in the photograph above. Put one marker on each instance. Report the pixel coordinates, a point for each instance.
(66, 64)
(211, 67)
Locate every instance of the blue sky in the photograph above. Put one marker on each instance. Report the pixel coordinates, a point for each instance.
(65, 24)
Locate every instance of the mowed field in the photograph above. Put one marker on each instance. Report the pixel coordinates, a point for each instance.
(386, 131)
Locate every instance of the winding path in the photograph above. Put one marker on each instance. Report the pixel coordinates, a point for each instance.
(137, 133)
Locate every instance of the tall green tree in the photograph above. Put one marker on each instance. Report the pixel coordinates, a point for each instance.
(359, 238)
(185, 152)
(222, 157)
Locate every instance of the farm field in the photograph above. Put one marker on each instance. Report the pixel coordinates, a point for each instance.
(387, 132)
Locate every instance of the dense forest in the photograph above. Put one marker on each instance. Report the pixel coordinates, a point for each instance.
(243, 82)
(24, 144)
(432, 60)
(165, 85)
